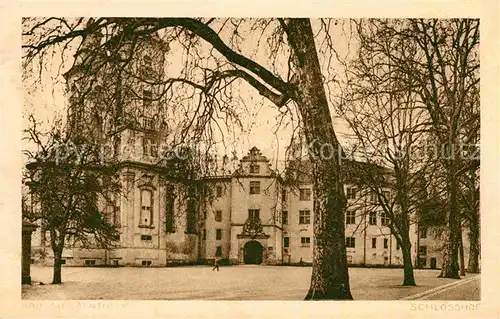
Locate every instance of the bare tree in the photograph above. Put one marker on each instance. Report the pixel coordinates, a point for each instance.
(388, 130)
(214, 62)
(70, 190)
(439, 61)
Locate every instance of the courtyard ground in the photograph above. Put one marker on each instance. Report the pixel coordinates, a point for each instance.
(245, 282)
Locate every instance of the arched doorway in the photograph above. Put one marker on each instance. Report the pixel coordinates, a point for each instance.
(253, 252)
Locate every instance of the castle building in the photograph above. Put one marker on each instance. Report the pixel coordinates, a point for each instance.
(249, 216)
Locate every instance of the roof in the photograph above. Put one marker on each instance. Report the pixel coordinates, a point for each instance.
(352, 171)
(254, 155)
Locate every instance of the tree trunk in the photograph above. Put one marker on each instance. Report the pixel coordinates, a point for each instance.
(404, 227)
(330, 277)
(57, 266)
(409, 278)
(473, 264)
(462, 258)
(450, 268)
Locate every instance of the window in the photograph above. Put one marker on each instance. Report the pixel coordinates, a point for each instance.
(191, 211)
(305, 194)
(422, 250)
(218, 191)
(147, 123)
(254, 169)
(148, 62)
(169, 212)
(351, 193)
(218, 215)
(146, 207)
(305, 241)
(374, 242)
(204, 234)
(423, 233)
(253, 214)
(146, 262)
(89, 262)
(286, 242)
(191, 217)
(254, 187)
(146, 237)
(373, 196)
(373, 218)
(398, 246)
(386, 243)
(384, 219)
(218, 234)
(113, 213)
(283, 195)
(284, 218)
(218, 251)
(204, 215)
(350, 217)
(147, 97)
(149, 147)
(350, 242)
(304, 216)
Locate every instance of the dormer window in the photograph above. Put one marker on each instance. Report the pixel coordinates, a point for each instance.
(254, 168)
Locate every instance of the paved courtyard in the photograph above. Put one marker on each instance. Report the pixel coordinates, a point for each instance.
(245, 282)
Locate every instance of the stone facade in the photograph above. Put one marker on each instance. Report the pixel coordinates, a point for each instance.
(249, 216)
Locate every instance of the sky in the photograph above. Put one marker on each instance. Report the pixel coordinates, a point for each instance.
(47, 100)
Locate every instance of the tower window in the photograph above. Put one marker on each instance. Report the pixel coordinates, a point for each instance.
(147, 98)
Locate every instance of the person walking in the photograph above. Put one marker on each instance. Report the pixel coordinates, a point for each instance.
(216, 264)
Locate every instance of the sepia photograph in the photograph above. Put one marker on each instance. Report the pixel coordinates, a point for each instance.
(237, 158)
